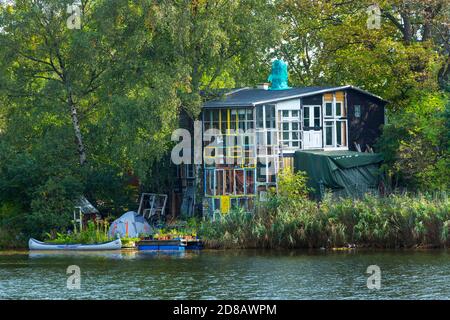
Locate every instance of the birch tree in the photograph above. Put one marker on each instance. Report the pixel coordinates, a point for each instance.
(55, 51)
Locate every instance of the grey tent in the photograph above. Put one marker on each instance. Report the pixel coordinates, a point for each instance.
(130, 225)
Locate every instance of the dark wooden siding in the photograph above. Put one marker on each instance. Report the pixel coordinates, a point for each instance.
(366, 129)
(313, 100)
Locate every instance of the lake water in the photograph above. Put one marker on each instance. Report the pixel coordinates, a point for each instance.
(226, 275)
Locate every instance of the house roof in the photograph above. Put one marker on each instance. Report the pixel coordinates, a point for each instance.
(85, 206)
(249, 97)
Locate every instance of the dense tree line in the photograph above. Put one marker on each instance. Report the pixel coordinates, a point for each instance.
(86, 107)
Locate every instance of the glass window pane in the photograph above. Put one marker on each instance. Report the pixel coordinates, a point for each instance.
(294, 126)
(209, 182)
(338, 109)
(261, 173)
(329, 133)
(306, 112)
(259, 117)
(294, 113)
(285, 136)
(306, 116)
(285, 126)
(229, 182)
(285, 113)
(241, 115)
(317, 123)
(219, 182)
(224, 115)
(233, 119)
(270, 116)
(249, 114)
(272, 111)
(250, 181)
(239, 176)
(242, 125)
(357, 111)
(338, 134)
(215, 115)
(329, 109)
(207, 115)
(316, 112)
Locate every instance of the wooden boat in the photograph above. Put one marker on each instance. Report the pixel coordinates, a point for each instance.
(170, 245)
(34, 244)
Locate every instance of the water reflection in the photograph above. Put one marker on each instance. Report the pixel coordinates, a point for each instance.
(217, 274)
(126, 254)
(37, 254)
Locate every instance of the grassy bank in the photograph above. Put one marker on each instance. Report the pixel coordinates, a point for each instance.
(396, 221)
(288, 219)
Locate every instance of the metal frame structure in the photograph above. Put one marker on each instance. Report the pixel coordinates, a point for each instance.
(154, 200)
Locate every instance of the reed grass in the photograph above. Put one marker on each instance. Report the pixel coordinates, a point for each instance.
(395, 221)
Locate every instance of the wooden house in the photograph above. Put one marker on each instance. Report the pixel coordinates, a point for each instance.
(262, 128)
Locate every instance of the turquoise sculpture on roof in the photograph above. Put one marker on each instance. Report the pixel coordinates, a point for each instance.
(279, 76)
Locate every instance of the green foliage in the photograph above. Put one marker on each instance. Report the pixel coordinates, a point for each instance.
(11, 224)
(415, 144)
(134, 65)
(179, 229)
(328, 42)
(95, 232)
(397, 221)
(123, 77)
(292, 186)
(129, 242)
(51, 207)
(405, 60)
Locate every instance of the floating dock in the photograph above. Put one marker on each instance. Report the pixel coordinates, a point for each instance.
(170, 245)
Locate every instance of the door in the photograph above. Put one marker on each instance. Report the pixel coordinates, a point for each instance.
(312, 127)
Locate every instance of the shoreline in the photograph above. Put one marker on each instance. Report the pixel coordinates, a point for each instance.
(210, 249)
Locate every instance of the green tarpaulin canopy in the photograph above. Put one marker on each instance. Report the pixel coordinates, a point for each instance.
(346, 172)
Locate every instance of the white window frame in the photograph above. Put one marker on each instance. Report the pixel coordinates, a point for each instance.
(346, 133)
(311, 108)
(325, 109)
(190, 171)
(334, 119)
(290, 120)
(265, 150)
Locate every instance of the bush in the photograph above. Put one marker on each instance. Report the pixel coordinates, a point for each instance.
(292, 186)
(38, 189)
(95, 232)
(415, 144)
(52, 206)
(11, 226)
